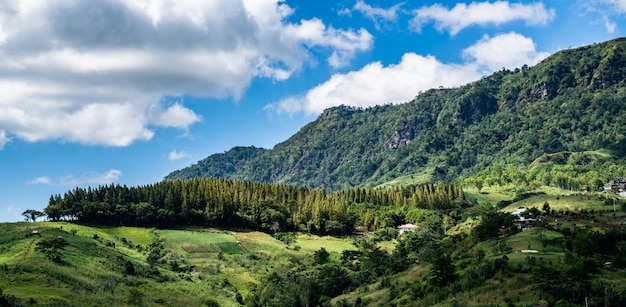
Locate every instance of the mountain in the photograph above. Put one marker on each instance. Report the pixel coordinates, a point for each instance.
(572, 101)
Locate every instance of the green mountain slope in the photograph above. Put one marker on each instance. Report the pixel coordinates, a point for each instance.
(572, 101)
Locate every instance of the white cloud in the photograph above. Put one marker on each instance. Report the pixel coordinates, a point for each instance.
(376, 84)
(608, 9)
(40, 180)
(177, 116)
(95, 178)
(4, 139)
(618, 6)
(377, 14)
(479, 13)
(177, 155)
(344, 43)
(610, 25)
(509, 50)
(91, 178)
(96, 72)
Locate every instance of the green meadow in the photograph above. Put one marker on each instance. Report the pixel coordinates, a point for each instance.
(200, 266)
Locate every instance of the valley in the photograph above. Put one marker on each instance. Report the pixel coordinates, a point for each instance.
(200, 266)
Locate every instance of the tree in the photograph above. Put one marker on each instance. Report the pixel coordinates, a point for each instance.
(443, 270)
(321, 256)
(478, 183)
(331, 280)
(492, 222)
(546, 208)
(32, 214)
(129, 268)
(53, 212)
(51, 248)
(8, 300)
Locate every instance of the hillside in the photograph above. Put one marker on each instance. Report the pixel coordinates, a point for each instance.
(128, 266)
(471, 257)
(573, 101)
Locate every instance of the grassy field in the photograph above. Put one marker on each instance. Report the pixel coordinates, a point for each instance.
(93, 267)
(213, 265)
(202, 241)
(488, 195)
(558, 199)
(564, 200)
(534, 243)
(309, 243)
(419, 178)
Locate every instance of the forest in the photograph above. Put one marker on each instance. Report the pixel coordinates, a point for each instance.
(464, 252)
(570, 102)
(252, 205)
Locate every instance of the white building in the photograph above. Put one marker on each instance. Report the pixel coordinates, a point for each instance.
(407, 227)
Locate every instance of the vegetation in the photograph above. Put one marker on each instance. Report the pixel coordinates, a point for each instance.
(572, 102)
(249, 205)
(473, 257)
(32, 214)
(545, 139)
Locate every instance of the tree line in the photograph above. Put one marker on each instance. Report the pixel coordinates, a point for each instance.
(246, 204)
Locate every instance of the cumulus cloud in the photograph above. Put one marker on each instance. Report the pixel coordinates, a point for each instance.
(375, 84)
(94, 178)
(176, 116)
(463, 15)
(509, 50)
(177, 155)
(40, 180)
(376, 14)
(344, 43)
(96, 72)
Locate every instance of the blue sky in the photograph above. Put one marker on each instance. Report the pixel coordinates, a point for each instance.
(126, 91)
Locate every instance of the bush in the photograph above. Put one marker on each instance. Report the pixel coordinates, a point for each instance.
(129, 268)
(51, 248)
(321, 256)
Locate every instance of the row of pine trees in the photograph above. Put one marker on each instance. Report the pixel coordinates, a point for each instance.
(245, 204)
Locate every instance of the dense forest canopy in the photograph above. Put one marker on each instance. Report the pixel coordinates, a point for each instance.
(252, 205)
(572, 101)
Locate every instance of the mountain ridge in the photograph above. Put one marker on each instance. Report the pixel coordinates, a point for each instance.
(568, 102)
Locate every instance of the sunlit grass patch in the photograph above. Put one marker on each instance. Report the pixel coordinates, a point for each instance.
(564, 202)
(196, 236)
(418, 178)
(488, 195)
(132, 234)
(309, 243)
(203, 241)
(254, 241)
